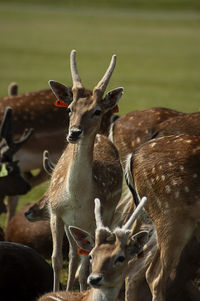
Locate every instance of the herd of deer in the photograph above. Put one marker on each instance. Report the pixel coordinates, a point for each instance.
(149, 247)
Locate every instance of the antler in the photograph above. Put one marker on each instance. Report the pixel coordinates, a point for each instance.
(74, 71)
(47, 163)
(97, 213)
(135, 214)
(8, 147)
(102, 84)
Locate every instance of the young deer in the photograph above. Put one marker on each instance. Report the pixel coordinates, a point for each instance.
(11, 180)
(109, 256)
(89, 167)
(166, 170)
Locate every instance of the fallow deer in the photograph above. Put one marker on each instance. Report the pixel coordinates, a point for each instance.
(166, 170)
(89, 167)
(134, 128)
(11, 180)
(109, 256)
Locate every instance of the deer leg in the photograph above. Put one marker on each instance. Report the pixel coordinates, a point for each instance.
(83, 272)
(170, 246)
(12, 202)
(73, 260)
(57, 231)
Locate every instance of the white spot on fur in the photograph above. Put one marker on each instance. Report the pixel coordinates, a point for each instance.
(186, 188)
(188, 141)
(195, 175)
(157, 178)
(152, 180)
(181, 167)
(153, 170)
(167, 189)
(163, 177)
(133, 143)
(153, 144)
(174, 183)
(177, 194)
(159, 203)
(166, 205)
(178, 152)
(147, 131)
(138, 140)
(170, 163)
(160, 167)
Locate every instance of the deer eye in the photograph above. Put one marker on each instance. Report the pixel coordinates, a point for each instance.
(120, 259)
(97, 112)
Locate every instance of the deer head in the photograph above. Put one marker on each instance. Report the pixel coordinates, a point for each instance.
(111, 251)
(86, 109)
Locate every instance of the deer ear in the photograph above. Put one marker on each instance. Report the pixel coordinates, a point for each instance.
(111, 99)
(83, 239)
(61, 91)
(137, 242)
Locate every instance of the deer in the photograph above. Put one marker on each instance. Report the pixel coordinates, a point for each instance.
(25, 275)
(134, 128)
(89, 167)
(166, 170)
(11, 180)
(109, 253)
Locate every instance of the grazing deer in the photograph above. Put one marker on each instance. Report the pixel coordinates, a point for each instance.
(89, 167)
(166, 170)
(109, 256)
(11, 180)
(25, 275)
(131, 130)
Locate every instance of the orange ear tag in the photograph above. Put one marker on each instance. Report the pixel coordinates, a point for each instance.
(82, 252)
(61, 104)
(115, 109)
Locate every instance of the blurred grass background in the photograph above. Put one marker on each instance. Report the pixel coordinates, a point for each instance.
(157, 44)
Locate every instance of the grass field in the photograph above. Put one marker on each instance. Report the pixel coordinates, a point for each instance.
(157, 47)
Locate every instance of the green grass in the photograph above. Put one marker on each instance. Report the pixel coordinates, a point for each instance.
(157, 45)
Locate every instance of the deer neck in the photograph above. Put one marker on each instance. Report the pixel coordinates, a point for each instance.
(106, 294)
(79, 178)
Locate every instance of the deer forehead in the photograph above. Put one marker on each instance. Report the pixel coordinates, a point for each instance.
(105, 254)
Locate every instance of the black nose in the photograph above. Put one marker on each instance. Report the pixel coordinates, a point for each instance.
(94, 280)
(74, 134)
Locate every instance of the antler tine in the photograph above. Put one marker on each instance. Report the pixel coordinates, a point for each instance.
(102, 84)
(97, 213)
(74, 71)
(135, 214)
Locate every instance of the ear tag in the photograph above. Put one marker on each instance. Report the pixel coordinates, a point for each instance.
(115, 109)
(3, 172)
(82, 252)
(61, 104)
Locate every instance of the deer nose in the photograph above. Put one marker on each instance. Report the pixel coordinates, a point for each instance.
(74, 134)
(94, 280)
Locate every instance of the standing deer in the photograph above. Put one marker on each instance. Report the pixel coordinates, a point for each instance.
(89, 167)
(166, 170)
(109, 256)
(11, 180)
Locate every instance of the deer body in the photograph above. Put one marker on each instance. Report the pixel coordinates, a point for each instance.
(131, 130)
(167, 170)
(88, 167)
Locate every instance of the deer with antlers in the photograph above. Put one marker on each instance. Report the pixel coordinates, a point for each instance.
(109, 256)
(11, 180)
(166, 170)
(89, 167)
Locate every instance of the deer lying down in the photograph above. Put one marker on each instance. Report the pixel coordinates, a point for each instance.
(11, 180)
(109, 256)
